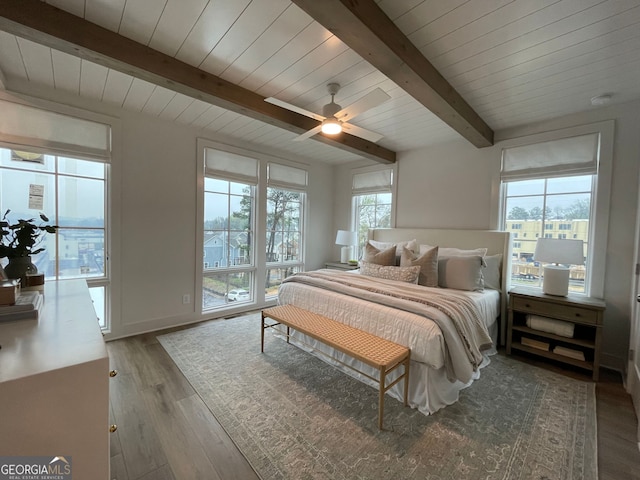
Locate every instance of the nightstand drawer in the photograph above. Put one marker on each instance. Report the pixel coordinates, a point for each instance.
(561, 312)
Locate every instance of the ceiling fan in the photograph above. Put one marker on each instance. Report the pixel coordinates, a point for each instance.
(334, 118)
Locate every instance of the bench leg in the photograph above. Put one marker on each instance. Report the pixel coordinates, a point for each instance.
(407, 362)
(262, 335)
(383, 382)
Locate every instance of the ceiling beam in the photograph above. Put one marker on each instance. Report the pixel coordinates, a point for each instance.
(44, 24)
(367, 30)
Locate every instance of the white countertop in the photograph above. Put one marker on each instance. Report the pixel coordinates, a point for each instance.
(67, 333)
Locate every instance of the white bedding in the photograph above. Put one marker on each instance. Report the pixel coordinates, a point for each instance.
(430, 387)
(420, 334)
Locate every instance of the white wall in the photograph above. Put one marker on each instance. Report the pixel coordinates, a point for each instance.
(453, 185)
(446, 186)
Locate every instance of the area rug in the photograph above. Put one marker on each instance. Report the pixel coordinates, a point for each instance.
(295, 417)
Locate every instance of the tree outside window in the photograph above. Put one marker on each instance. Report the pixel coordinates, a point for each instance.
(284, 236)
(371, 211)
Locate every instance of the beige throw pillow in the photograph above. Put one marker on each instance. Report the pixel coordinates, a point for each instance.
(428, 263)
(379, 257)
(400, 274)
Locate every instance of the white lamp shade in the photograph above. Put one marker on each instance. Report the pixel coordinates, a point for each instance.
(559, 250)
(345, 237)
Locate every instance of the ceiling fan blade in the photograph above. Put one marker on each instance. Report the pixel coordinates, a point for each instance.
(293, 108)
(370, 100)
(308, 133)
(361, 132)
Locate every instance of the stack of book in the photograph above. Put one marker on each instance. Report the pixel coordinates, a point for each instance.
(569, 352)
(27, 306)
(530, 342)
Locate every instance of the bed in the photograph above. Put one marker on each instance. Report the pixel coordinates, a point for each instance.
(451, 332)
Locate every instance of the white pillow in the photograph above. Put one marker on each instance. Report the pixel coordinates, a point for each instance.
(491, 272)
(461, 273)
(401, 274)
(455, 252)
(428, 263)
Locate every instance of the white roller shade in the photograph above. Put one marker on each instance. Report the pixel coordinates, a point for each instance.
(285, 176)
(376, 181)
(43, 130)
(563, 157)
(230, 165)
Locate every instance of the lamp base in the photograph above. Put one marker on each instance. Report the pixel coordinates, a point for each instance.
(345, 254)
(556, 280)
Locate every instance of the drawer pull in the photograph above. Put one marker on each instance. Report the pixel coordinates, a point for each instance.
(577, 314)
(113, 428)
(113, 373)
(527, 305)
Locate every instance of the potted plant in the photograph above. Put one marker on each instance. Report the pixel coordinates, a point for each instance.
(19, 241)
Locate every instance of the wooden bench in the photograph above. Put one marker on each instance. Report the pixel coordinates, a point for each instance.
(374, 351)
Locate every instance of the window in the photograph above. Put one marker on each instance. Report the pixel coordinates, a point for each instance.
(70, 157)
(549, 201)
(74, 200)
(229, 232)
(237, 262)
(372, 193)
(285, 233)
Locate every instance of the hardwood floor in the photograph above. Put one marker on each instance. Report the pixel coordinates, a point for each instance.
(166, 432)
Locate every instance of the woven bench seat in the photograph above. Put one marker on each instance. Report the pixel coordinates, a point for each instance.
(377, 352)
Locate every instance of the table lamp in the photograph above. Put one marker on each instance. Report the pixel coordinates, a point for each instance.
(560, 252)
(347, 239)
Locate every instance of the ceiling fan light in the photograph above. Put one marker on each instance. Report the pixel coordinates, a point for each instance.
(331, 126)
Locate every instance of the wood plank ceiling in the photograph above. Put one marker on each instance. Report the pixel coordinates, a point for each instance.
(513, 62)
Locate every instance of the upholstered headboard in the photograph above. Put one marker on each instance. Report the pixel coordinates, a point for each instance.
(494, 241)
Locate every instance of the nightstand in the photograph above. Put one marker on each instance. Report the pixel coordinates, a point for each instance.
(340, 266)
(585, 313)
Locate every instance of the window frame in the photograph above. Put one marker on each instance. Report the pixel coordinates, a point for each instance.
(602, 193)
(231, 268)
(260, 206)
(555, 225)
(296, 265)
(110, 156)
(355, 194)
